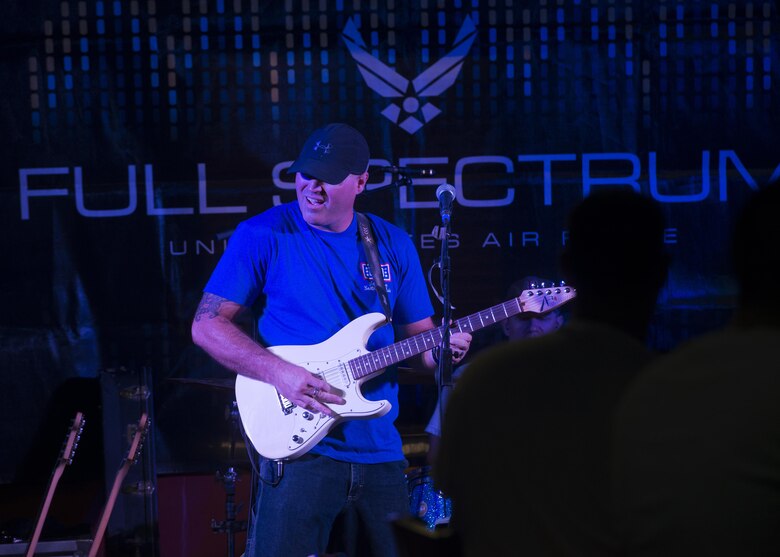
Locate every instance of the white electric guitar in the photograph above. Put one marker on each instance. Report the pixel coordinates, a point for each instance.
(279, 429)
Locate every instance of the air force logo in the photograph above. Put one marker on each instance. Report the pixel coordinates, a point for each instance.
(414, 111)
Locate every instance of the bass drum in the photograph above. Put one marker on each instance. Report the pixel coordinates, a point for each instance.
(425, 501)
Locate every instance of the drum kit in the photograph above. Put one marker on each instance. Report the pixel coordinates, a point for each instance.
(426, 502)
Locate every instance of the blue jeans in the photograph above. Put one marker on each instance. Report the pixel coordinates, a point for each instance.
(320, 505)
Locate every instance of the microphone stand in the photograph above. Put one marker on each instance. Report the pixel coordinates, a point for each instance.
(444, 370)
(400, 181)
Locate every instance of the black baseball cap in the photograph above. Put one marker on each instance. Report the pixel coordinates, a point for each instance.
(333, 152)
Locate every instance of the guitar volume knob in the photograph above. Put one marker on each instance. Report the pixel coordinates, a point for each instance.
(297, 439)
(307, 416)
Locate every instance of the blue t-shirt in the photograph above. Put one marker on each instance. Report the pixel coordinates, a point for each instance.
(316, 282)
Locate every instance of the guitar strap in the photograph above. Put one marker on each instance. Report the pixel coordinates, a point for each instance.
(369, 244)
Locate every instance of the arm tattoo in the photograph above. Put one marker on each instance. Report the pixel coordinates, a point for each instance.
(208, 307)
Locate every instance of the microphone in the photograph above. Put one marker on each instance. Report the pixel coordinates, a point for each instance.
(404, 171)
(445, 193)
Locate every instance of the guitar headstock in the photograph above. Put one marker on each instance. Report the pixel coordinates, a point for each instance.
(72, 439)
(139, 435)
(545, 297)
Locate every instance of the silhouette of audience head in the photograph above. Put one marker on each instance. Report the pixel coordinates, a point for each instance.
(755, 253)
(615, 257)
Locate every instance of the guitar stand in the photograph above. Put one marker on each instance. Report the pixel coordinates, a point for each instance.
(230, 525)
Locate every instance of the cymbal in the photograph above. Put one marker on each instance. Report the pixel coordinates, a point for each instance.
(216, 383)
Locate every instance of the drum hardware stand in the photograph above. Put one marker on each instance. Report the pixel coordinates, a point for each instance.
(230, 525)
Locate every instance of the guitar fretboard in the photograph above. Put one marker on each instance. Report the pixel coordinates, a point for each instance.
(534, 300)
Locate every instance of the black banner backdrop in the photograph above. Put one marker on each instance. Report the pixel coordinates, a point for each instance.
(136, 135)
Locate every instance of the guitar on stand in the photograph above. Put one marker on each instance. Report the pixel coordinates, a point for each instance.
(64, 459)
(132, 457)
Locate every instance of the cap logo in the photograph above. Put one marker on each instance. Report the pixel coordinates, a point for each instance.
(324, 147)
(333, 152)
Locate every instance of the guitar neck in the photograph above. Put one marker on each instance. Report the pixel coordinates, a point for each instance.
(130, 459)
(108, 509)
(65, 458)
(55, 478)
(530, 300)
